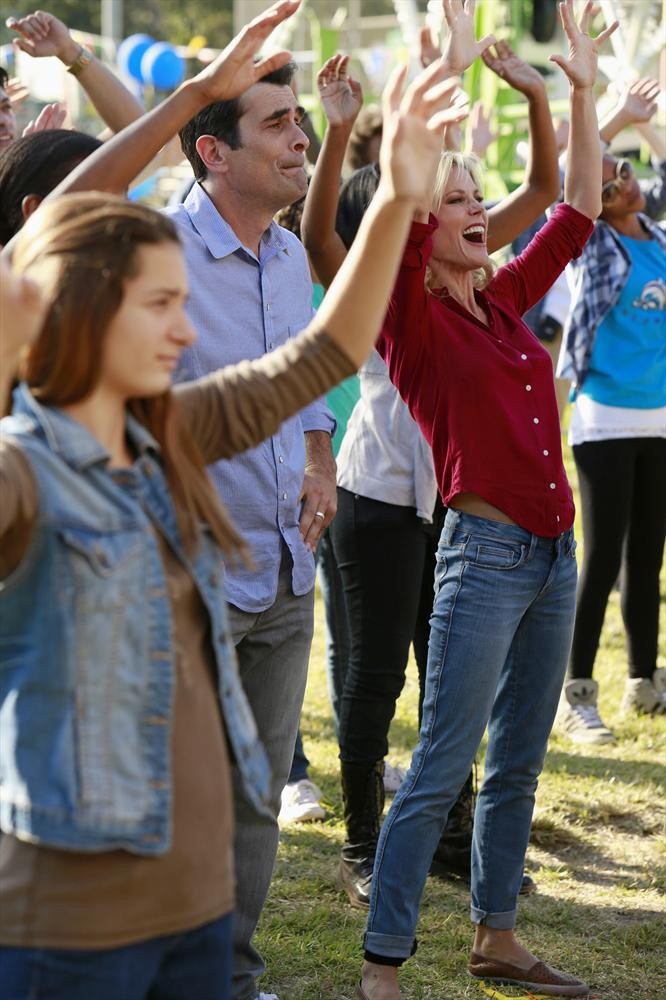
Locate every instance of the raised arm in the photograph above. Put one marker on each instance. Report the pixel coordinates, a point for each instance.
(635, 106)
(42, 34)
(582, 185)
(342, 99)
(115, 165)
(541, 186)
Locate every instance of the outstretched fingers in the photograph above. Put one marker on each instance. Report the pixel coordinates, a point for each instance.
(392, 95)
(605, 35)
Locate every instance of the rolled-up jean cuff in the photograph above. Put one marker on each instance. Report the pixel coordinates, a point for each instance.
(500, 921)
(389, 946)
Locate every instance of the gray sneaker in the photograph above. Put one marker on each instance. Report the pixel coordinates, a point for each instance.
(578, 716)
(645, 696)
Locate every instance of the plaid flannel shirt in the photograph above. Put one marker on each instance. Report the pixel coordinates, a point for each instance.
(599, 275)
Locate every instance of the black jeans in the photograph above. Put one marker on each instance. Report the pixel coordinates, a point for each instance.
(380, 550)
(623, 497)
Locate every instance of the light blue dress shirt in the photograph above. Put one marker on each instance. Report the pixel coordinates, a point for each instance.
(243, 307)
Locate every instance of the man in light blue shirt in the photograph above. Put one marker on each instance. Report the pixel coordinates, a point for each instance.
(250, 292)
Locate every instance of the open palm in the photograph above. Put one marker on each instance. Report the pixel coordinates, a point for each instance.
(462, 47)
(341, 96)
(581, 65)
(235, 70)
(413, 126)
(501, 59)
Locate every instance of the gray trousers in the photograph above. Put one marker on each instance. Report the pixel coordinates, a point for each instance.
(273, 649)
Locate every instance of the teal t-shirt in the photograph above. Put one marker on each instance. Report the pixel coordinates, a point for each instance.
(628, 360)
(344, 397)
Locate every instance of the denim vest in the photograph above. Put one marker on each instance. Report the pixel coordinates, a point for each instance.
(86, 648)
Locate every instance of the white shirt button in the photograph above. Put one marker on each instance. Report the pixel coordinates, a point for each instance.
(529, 388)
(545, 451)
(557, 517)
(535, 420)
(284, 496)
(281, 460)
(552, 486)
(268, 307)
(524, 357)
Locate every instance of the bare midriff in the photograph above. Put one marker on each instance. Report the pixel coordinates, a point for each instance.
(472, 503)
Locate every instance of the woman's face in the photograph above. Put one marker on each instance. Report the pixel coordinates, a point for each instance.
(460, 240)
(620, 197)
(150, 330)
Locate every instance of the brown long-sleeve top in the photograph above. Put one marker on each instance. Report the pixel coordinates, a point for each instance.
(57, 899)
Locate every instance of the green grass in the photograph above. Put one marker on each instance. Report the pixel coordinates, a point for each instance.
(598, 853)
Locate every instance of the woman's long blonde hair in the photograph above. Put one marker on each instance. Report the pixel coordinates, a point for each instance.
(86, 246)
(452, 160)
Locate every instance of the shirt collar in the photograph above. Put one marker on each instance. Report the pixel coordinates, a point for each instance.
(217, 234)
(70, 439)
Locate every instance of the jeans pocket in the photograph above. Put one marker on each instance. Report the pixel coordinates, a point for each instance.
(495, 554)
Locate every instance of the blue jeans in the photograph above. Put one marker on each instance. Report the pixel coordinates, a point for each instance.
(500, 636)
(196, 963)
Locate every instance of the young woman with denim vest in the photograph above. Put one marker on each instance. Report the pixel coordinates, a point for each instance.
(481, 389)
(120, 703)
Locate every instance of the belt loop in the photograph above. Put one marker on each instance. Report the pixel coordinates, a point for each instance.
(450, 524)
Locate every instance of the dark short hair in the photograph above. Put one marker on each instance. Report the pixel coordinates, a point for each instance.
(4, 77)
(355, 196)
(222, 119)
(36, 164)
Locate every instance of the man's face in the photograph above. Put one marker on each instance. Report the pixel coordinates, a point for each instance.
(7, 120)
(269, 168)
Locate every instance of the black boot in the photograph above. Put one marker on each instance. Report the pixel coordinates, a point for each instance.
(453, 855)
(363, 801)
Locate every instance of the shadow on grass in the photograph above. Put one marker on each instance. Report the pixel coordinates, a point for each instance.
(596, 766)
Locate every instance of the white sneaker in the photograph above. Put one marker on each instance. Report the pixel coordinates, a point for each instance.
(578, 716)
(394, 775)
(269, 996)
(645, 696)
(300, 804)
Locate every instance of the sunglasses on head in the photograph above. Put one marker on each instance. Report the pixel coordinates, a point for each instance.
(623, 171)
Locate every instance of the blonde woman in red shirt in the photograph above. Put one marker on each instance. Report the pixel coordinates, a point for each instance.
(480, 386)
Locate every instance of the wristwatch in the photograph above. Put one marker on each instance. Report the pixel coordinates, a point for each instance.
(83, 59)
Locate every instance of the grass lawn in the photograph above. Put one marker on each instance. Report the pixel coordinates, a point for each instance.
(598, 853)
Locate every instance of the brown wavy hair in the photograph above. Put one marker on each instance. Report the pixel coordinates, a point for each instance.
(82, 249)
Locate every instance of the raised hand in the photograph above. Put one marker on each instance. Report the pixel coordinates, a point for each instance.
(51, 116)
(413, 125)
(480, 135)
(581, 66)
(234, 70)
(503, 61)
(462, 47)
(341, 96)
(639, 101)
(429, 49)
(42, 34)
(16, 91)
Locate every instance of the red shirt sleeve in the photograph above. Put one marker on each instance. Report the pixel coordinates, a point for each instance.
(526, 279)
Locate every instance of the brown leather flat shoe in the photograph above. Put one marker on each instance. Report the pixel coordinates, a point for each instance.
(541, 977)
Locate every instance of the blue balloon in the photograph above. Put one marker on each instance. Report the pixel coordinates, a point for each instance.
(130, 53)
(162, 66)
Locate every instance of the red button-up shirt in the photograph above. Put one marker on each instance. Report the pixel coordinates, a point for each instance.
(483, 392)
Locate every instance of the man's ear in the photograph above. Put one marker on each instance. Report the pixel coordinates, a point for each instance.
(30, 204)
(213, 153)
